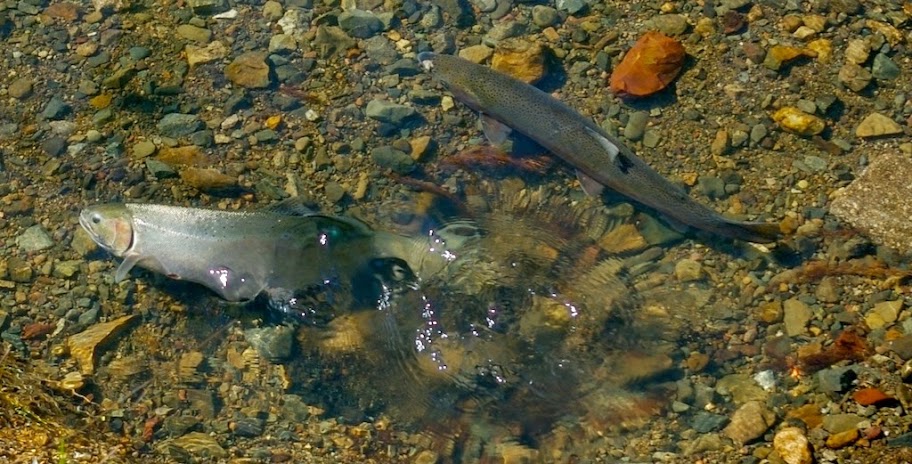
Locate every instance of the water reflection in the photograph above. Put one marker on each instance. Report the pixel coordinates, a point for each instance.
(533, 337)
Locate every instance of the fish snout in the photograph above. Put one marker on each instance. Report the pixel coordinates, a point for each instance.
(426, 60)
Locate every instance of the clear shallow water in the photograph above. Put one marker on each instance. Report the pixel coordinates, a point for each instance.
(532, 335)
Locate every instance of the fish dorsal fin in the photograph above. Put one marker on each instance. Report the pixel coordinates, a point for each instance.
(126, 265)
(293, 206)
(610, 147)
(590, 186)
(495, 131)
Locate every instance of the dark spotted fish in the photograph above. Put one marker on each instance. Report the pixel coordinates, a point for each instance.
(600, 159)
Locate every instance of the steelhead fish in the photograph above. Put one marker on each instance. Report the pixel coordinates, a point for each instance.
(239, 255)
(600, 159)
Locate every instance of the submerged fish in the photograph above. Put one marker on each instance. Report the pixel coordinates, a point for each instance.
(240, 255)
(601, 160)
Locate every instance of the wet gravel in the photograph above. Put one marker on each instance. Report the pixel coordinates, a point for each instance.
(800, 354)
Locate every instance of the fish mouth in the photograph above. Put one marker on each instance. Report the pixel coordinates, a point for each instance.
(426, 60)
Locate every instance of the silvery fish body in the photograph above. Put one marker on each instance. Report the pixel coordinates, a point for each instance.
(598, 157)
(239, 255)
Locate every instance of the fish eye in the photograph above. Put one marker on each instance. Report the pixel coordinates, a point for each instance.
(96, 218)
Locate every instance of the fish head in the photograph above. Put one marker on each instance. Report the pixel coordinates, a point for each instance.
(451, 72)
(110, 226)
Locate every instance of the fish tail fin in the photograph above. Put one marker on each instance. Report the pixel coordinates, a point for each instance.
(758, 232)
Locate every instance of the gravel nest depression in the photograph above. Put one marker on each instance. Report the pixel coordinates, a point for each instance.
(795, 112)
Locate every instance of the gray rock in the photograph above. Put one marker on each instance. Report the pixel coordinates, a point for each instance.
(711, 186)
(178, 425)
(669, 24)
(835, 379)
(544, 16)
(272, 343)
(294, 408)
(139, 53)
(458, 12)
(160, 170)
(705, 422)
(388, 157)
(837, 423)
(571, 6)
(248, 427)
(404, 67)
(56, 108)
(877, 202)
(54, 146)
(758, 133)
(359, 23)
(703, 443)
(176, 125)
(34, 239)
(884, 68)
(332, 40)
(334, 191)
(636, 125)
(206, 7)
(388, 112)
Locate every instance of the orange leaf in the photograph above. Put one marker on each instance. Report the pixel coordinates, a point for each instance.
(653, 62)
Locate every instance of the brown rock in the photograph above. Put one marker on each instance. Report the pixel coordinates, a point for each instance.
(809, 414)
(207, 179)
(780, 55)
(749, 422)
(842, 439)
(66, 11)
(189, 155)
(624, 238)
(84, 344)
(793, 446)
(520, 58)
(249, 70)
(870, 395)
(653, 62)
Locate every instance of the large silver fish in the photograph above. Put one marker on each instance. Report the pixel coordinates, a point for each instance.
(240, 255)
(601, 160)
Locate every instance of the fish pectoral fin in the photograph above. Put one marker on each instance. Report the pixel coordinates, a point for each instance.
(590, 186)
(128, 263)
(495, 131)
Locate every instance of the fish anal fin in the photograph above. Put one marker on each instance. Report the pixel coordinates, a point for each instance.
(590, 186)
(123, 270)
(495, 131)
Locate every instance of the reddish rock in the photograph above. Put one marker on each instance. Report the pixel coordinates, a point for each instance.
(653, 62)
(870, 395)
